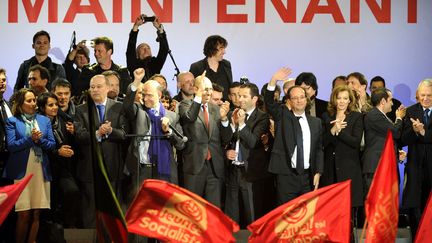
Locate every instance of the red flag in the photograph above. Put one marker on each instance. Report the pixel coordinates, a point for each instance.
(170, 213)
(9, 195)
(319, 216)
(382, 202)
(424, 232)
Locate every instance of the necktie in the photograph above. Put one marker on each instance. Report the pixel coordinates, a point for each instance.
(101, 109)
(206, 120)
(300, 153)
(3, 111)
(426, 116)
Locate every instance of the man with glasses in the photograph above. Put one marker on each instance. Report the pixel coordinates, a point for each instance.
(297, 155)
(309, 83)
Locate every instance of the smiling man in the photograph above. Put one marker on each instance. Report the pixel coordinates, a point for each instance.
(103, 51)
(41, 45)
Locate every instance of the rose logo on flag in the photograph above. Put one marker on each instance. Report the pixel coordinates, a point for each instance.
(296, 214)
(189, 209)
(297, 220)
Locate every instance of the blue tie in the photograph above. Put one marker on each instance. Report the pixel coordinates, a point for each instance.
(426, 116)
(101, 109)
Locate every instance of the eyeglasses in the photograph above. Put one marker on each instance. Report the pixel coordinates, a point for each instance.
(31, 78)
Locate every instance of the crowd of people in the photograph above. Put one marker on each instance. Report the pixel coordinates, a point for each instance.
(244, 150)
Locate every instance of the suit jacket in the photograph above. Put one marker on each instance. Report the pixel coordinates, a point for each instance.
(284, 144)
(376, 126)
(200, 139)
(342, 155)
(19, 145)
(197, 68)
(419, 156)
(252, 149)
(111, 146)
(141, 124)
(320, 107)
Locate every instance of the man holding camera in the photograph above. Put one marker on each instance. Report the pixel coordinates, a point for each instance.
(141, 56)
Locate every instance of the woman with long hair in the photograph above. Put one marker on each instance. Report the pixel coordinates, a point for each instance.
(29, 138)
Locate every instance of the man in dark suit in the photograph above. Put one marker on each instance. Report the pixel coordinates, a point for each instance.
(379, 82)
(297, 157)
(308, 81)
(140, 159)
(110, 121)
(218, 69)
(203, 163)
(247, 171)
(376, 124)
(7, 229)
(417, 134)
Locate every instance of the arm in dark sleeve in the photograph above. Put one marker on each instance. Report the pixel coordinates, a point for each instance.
(273, 108)
(189, 111)
(353, 139)
(252, 138)
(161, 57)
(131, 59)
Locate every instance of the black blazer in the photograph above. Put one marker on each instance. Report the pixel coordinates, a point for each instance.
(197, 68)
(320, 107)
(111, 146)
(342, 155)
(419, 157)
(257, 159)
(284, 144)
(376, 126)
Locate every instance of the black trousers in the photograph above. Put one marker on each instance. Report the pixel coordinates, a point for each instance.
(292, 185)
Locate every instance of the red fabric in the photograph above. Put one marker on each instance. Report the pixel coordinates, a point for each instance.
(173, 214)
(319, 216)
(206, 120)
(9, 195)
(424, 232)
(382, 202)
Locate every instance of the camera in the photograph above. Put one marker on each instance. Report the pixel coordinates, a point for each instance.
(148, 19)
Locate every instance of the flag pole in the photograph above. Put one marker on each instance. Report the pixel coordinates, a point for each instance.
(364, 229)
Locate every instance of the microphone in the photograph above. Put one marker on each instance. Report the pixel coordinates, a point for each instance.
(184, 138)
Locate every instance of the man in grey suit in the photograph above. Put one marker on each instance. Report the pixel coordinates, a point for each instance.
(110, 133)
(376, 124)
(149, 118)
(203, 163)
(297, 157)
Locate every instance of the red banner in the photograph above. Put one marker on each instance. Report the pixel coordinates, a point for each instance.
(9, 195)
(424, 232)
(170, 213)
(382, 202)
(319, 216)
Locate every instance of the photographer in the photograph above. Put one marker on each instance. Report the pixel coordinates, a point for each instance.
(141, 56)
(79, 56)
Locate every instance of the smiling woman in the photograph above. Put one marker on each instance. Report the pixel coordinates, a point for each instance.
(29, 138)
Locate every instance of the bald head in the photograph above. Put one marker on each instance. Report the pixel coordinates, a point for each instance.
(99, 87)
(152, 91)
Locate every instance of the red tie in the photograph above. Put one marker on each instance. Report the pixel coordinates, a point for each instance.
(207, 124)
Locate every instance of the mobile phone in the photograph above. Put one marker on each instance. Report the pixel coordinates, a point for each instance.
(148, 19)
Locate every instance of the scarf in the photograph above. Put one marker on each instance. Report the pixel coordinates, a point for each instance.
(160, 148)
(30, 123)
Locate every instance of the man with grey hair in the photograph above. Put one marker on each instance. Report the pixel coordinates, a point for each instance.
(111, 134)
(151, 156)
(417, 134)
(141, 56)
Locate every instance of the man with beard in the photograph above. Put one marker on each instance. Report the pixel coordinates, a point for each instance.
(141, 56)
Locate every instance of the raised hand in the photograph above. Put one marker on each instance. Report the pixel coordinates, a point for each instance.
(139, 74)
(280, 75)
(224, 109)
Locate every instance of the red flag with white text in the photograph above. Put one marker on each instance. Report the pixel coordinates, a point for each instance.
(173, 214)
(424, 232)
(9, 195)
(382, 201)
(323, 215)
